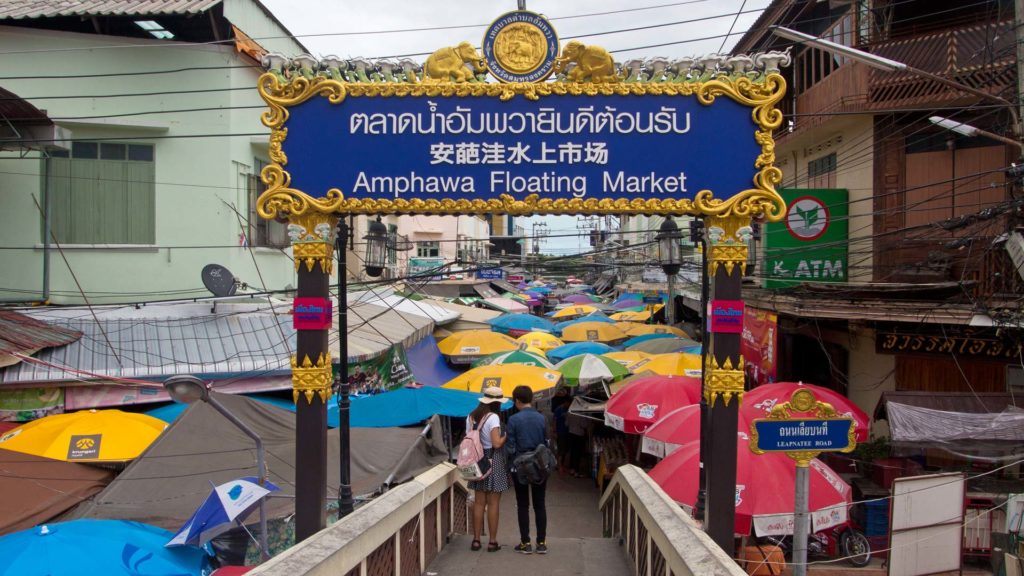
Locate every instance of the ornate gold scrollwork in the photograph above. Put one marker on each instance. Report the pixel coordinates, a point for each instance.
(309, 378)
(728, 237)
(803, 402)
(312, 236)
(723, 380)
(761, 200)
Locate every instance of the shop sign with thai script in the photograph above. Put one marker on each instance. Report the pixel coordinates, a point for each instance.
(803, 434)
(311, 313)
(810, 243)
(726, 316)
(897, 343)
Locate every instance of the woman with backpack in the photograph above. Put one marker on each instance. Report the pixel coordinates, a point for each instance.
(486, 418)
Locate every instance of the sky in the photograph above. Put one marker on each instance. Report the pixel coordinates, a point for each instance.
(390, 28)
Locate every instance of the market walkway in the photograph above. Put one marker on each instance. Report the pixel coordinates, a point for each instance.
(574, 539)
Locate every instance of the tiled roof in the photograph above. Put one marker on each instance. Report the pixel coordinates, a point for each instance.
(17, 9)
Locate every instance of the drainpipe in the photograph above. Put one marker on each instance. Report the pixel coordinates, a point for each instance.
(47, 203)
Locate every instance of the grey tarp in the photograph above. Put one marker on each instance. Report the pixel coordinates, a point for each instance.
(34, 489)
(171, 479)
(926, 426)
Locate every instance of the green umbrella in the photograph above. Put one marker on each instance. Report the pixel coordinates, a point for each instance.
(586, 369)
(515, 357)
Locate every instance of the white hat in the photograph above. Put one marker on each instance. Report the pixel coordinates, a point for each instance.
(491, 395)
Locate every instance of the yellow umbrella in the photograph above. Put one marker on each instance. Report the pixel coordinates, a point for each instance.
(476, 343)
(627, 357)
(507, 376)
(541, 340)
(593, 332)
(573, 311)
(635, 329)
(673, 364)
(641, 316)
(86, 436)
(537, 351)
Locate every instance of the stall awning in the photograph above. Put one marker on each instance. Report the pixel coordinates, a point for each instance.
(964, 423)
(981, 402)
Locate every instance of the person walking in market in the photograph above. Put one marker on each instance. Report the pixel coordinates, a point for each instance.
(527, 430)
(487, 416)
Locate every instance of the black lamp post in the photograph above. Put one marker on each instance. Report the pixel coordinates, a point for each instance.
(376, 253)
(697, 237)
(669, 254)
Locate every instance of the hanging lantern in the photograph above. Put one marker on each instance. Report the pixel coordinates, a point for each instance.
(669, 252)
(376, 248)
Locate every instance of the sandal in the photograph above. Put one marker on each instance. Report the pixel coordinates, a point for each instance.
(493, 546)
(475, 545)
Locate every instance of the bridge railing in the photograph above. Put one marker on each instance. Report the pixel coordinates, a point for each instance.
(658, 536)
(397, 534)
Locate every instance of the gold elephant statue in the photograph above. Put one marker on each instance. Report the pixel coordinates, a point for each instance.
(592, 62)
(448, 64)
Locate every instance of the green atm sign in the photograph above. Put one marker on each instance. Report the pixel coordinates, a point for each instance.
(810, 243)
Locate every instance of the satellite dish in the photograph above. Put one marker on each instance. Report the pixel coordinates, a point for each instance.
(219, 280)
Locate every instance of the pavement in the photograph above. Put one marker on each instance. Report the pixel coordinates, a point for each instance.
(575, 542)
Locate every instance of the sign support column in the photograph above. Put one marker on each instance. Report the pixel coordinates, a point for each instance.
(312, 236)
(727, 238)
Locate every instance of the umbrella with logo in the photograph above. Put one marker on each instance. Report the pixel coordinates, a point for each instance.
(86, 436)
(764, 488)
(576, 348)
(595, 317)
(760, 401)
(507, 377)
(636, 329)
(516, 325)
(661, 345)
(626, 357)
(671, 364)
(226, 507)
(636, 316)
(676, 429)
(540, 340)
(88, 546)
(643, 400)
(574, 311)
(467, 346)
(514, 357)
(588, 369)
(593, 332)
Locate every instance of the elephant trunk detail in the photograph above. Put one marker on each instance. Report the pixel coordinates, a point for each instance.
(449, 64)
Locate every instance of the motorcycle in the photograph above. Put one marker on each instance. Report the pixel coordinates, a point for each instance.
(843, 541)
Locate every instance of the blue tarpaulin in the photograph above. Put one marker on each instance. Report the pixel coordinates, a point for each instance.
(407, 406)
(427, 364)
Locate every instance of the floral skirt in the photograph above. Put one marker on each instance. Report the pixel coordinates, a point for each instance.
(498, 480)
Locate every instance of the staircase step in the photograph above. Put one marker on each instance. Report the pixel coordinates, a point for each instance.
(565, 557)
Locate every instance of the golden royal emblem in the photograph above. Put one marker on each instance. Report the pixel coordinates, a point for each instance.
(520, 46)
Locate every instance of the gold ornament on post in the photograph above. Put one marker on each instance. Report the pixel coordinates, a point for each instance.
(729, 238)
(723, 380)
(309, 378)
(312, 237)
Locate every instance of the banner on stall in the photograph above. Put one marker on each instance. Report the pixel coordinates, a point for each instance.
(386, 372)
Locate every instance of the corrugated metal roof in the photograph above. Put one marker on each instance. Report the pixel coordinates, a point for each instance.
(25, 335)
(224, 344)
(18, 9)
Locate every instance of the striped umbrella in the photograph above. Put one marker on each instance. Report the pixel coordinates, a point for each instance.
(588, 369)
(514, 357)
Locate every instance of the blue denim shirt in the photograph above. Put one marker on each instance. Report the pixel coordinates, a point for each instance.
(526, 430)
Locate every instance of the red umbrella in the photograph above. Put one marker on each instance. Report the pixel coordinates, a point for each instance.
(647, 398)
(764, 489)
(676, 428)
(758, 402)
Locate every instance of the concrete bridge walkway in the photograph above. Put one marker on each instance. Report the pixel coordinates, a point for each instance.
(575, 541)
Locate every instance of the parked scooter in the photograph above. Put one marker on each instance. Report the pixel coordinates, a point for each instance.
(842, 541)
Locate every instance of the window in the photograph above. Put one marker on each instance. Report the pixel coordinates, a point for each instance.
(103, 193)
(263, 233)
(392, 244)
(428, 249)
(821, 173)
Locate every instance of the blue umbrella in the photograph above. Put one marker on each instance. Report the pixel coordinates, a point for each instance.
(109, 547)
(522, 322)
(576, 348)
(406, 406)
(540, 289)
(229, 503)
(693, 349)
(596, 317)
(646, 337)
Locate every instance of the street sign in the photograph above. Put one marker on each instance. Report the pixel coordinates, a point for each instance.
(652, 299)
(489, 273)
(819, 435)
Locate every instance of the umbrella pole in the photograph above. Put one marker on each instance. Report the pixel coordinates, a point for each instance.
(802, 526)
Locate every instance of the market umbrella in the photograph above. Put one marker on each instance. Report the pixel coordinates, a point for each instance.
(226, 506)
(516, 325)
(640, 316)
(594, 317)
(573, 311)
(514, 357)
(676, 429)
(646, 398)
(635, 329)
(671, 364)
(593, 332)
(466, 346)
(629, 303)
(762, 399)
(661, 345)
(577, 299)
(626, 357)
(540, 289)
(575, 348)
(540, 340)
(86, 436)
(642, 337)
(764, 488)
(638, 308)
(506, 305)
(506, 376)
(586, 369)
(108, 547)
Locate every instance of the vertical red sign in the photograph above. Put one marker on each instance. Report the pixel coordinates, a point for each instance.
(311, 313)
(759, 345)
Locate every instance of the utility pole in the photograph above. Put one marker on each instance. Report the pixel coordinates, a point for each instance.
(1018, 21)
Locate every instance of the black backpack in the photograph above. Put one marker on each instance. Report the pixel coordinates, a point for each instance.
(535, 466)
